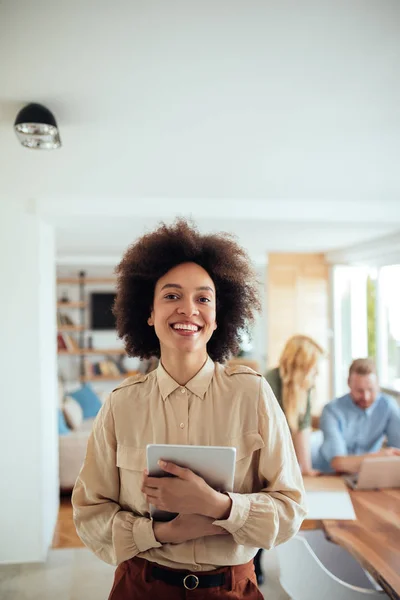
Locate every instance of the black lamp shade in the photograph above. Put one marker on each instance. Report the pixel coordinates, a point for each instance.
(36, 128)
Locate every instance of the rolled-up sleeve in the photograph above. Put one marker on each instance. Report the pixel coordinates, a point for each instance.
(334, 443)
(113, 534)
(273, 515)
(393, 425)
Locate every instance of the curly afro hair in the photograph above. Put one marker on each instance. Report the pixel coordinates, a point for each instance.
(153, 255)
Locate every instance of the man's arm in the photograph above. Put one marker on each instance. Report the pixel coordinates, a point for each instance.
(334, 449)
(393, 426)
(352, 464)
(348, 464)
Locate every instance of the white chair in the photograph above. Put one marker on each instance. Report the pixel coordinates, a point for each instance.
(304, 577)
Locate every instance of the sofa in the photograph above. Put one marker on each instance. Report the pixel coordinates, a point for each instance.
(77, 411)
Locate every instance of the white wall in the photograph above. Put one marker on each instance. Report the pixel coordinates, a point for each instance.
(259, 337)
(28, 428)
(48, 385)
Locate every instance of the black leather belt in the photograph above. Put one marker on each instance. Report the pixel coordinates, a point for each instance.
(188, 580)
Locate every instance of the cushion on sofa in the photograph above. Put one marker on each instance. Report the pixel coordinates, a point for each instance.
(63, 428)
(60, 391)
(73, 413)
(72, 451)
(88, 399)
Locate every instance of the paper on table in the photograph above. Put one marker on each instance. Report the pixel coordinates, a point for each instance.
(328, 498)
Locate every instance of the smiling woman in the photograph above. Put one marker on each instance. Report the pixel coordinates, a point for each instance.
(184, 313)
(228, 282)
(187, 298)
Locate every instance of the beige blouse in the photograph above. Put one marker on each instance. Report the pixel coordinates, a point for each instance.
(220, 406)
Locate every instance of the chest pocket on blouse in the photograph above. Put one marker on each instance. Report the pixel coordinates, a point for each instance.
(131, 463)
(246, 473)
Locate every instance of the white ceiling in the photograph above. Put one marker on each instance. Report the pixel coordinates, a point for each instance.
(254, 235)
(201, 104)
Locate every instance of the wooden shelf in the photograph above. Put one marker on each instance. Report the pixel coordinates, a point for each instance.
(109, 377)
(94, 351)
(104, 377)
(71, 348)
(111, 351)
(71, 304)
(86, 280)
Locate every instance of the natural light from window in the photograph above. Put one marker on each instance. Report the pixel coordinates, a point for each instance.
(389, 325)
(367, 321)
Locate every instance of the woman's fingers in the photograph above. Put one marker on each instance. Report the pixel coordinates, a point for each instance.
(149, 491)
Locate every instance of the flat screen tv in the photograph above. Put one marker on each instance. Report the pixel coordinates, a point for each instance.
(101, 311)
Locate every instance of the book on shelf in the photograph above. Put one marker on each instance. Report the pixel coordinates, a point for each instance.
(119, 363)
(66, 342)
(63, 319)
(72, 344)
(96, 369)
(104, 368)
(113, 368)
(61, 345)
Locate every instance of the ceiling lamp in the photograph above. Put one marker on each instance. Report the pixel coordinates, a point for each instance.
(36, 127)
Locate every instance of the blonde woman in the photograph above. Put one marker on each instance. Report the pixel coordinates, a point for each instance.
(292, 382)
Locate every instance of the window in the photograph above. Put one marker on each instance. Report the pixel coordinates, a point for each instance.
(367, 321)
(371, 313)
(388, 326)
(350, 321)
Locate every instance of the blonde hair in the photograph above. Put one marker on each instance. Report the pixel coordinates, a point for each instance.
(297, 369)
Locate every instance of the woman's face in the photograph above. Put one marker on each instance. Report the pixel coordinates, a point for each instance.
(184, 309)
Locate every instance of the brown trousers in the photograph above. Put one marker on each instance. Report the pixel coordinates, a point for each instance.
(133, 581)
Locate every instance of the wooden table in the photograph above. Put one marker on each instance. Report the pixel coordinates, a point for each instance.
(374, 538)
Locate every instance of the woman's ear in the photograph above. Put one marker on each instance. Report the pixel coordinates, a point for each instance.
(150, 320)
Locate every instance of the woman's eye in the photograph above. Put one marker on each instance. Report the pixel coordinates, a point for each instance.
(171, 297)
(204, 300)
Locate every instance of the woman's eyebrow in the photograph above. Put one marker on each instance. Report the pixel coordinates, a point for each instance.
(171, 285)
(176, 285)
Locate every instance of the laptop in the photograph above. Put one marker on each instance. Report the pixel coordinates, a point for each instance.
(376, 473)
(216, 464)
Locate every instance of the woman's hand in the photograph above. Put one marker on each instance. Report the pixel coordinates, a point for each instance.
(186, 493)
(186, 527)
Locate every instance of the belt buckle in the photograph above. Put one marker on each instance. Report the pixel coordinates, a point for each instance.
(196, 582)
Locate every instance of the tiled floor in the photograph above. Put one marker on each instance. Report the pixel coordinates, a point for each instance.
(76, 574)
(67, 575)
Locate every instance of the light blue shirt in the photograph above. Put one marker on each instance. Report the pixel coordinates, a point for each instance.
(348, 429)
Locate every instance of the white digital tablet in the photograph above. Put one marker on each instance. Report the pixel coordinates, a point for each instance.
(215, 464)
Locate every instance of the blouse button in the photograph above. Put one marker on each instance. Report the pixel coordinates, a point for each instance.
(182, 425)
(183, 390)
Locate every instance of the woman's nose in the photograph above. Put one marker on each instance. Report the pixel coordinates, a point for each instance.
(188, 308)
